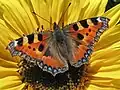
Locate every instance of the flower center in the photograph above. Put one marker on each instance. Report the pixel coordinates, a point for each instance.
(35, 77)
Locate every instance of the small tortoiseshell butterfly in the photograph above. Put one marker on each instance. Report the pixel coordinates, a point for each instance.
(53, 51)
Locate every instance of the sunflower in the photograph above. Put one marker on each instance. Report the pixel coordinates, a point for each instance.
(17, 18)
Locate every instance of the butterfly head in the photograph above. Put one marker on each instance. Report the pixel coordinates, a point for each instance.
(55, 27)
(58, 33)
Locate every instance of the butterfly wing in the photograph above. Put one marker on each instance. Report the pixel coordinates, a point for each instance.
(84, 34)
(36, 48)
(44, 51)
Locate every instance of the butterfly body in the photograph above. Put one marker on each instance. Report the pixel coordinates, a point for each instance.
(54, 51)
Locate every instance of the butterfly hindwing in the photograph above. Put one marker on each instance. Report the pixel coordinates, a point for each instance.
(84, 34)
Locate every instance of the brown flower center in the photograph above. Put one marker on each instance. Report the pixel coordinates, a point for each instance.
(35, 77)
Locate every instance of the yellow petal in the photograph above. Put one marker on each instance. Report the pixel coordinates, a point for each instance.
(6, 36)
(96, 87)
(106, 62)
(75, 11)
(83, 10)
(18, 18)
(102, 7)
(10, 83)
(105, 71)
(47, 9)
(113, 14)
(108, 38)
(111, 73)
(107, 53)
(9, 78)
(71, 15)
(110, 54)
(18, 87)
(93, 8)
(7, 63)
(42, 8)
(105, 83)
(8, 72)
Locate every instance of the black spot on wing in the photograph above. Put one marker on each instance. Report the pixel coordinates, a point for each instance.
(20, 41)
(40, 37)
(84, 23)
(30, 38)
(75, 27)
(29, 47)
(87, 34)
(41, 47)
(80, 36)
(89, 30)
(94, 21)
(34, 49)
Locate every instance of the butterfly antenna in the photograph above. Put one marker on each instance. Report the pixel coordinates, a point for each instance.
(64, 14)
(51, 23)
(41, 17)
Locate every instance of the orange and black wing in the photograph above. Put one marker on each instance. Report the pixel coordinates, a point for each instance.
(35, 48)
(84, 34)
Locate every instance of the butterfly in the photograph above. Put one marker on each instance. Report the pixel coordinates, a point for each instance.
(54, 50)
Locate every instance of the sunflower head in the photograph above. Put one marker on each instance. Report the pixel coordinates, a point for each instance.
(55, 41)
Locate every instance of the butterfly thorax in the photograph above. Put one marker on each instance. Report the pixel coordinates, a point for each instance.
(58, 34)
